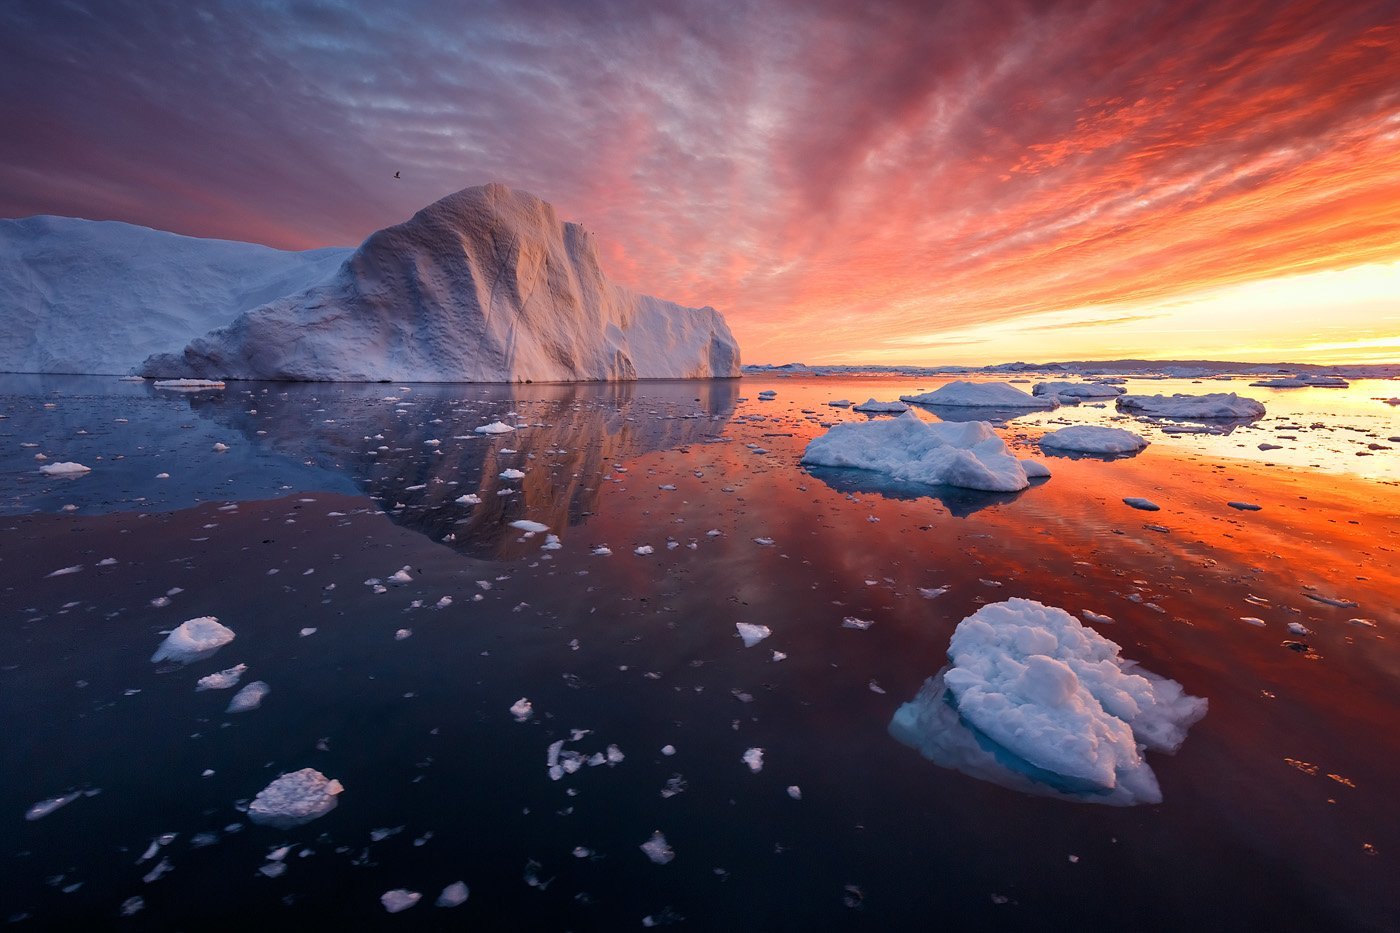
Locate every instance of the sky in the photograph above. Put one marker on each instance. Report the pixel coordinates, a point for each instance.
(970, 181)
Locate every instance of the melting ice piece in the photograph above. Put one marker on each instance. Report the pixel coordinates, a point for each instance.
(512, 473)
(522, 709)
(470, 498)
(1137, 502)
(853, 622)
(294, 799)
(875, 406)
(657, 850)
(44, 807)
(1215, 405)
(1076, 390)
(399, 899)
(1093, 439)
(1034, 700)
(454, 895)
(193, 640)
(224, 679)
(401, 576)
(752, 634)
(754, 759)
(968, 454)
(527, 525)
(249, 698)
(495, 427)
(188, 384)
(66, 468)
(963, 394)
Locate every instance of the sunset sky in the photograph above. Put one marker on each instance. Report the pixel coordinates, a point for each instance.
(944, 182)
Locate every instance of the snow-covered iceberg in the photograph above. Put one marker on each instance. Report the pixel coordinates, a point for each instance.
(86, 296)
(962, 394)
(193, 640)
(486, 285)
(294, 799)
(1033, 699)
(1213, 405)
(1302, 382)
(1093, 439)
(968, 454)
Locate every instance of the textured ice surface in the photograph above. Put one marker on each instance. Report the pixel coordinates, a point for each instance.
(968, 454)
(294, 799)
(193, 640)
(249, 698)
(64, 468)
(1094, 439)
(1214, 405)
(657, 850)
(876, 406)
(1076, 390)
(222, 680)
(752, 634)
(981, 395)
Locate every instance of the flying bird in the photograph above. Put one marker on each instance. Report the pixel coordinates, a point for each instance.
(396, 174)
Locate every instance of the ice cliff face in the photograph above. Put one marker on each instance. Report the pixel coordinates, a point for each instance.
(84, 296)
(486, 285)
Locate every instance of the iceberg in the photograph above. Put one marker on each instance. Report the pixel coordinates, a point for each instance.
(1033, 699)
(193, 640)
(294, 799)
(1077, 390)
(961, 394)
(967, 454)
(485, 285)
(878, 407)
(85, 296)
(1213, 405)
(1093, 439)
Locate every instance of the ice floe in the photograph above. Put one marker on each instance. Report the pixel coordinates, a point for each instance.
(193, 640)
(1093, 439)
(875, 406)
(1033, 699)
(64, 468)
(1213, 405)
(399, 899)
(961, 394)
(223, 679)
(657, 850)
(454, 895)
(249, 698)
(1076, 390)
(752, 634)
(295, 798)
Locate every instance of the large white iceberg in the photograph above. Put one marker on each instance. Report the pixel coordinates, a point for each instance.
(486, 285)
(193, 640)
(294, 799)
(1077, 390)
(85, 296)
(1093, 439)
(968, 454)
(1213, 405)
(961, 394)
(1051, 702)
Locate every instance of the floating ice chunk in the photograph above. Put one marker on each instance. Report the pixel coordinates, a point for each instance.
(1339, 602)
(668, 750)
(1253, 620)
(853, 622)
(65, 571)
(522, 709)
(188, 384)
(644, 550)
(932, 592)
(768, 393)
(1214, 405)
(193, 640)
(443, 603)
(1076, 389)
(512, 473)
(794, 792)
(1093, 439)
(454, 895)
(1091, 616)
(1057, 696)
(527, 525)
(399, 899)
(657, 850)
(44, 807)
(307, 631)
(401, 576)
(495, 427)
(470, 498)
(962, 394)
(1244, 506)
(840, 403)
(64, 468)
(294, 799)
(752, 634)
(220, 447)
(875, 406)
(754, 759)
(602, 551)
(223, 679)
(1298, 628)
(249, 698)
(966, 454)
(1137, 502)
(403, 633)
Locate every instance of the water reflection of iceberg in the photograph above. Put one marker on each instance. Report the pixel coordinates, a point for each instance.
(959, 502)
(416, 453)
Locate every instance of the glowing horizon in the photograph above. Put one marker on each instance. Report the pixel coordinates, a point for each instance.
(918, 183)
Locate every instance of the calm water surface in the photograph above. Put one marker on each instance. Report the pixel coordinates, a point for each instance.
(1279, 811)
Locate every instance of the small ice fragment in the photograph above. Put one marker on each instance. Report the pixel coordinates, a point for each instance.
(249, 698)
(1252, 621)
(853, 622)
(294, 799)
(193, 640)
(65, 571)
(495, 427)
(794, 792)
(454, 895)
(401, 576)
(779, 656)
(469, 499)
(1298, 628)
(307, 631)
(763, 542)
(399, 899)
(162, 476)
(657, 850)
(64, 468)
(223, 679)
(522, 709)
(932, 592)
(1091, 616)
(443, 603)
(220, 447)
(754, 759)
(527, 525)
(402, 633)
(752, 634)
(1244, 506)
(161, 868)
(602, 552)
(1146, 505)
(511, 473)
(644, 550)
(668, 750)
(44, 807)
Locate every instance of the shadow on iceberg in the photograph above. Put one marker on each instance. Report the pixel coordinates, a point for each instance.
(959, 502)
(416, 452)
